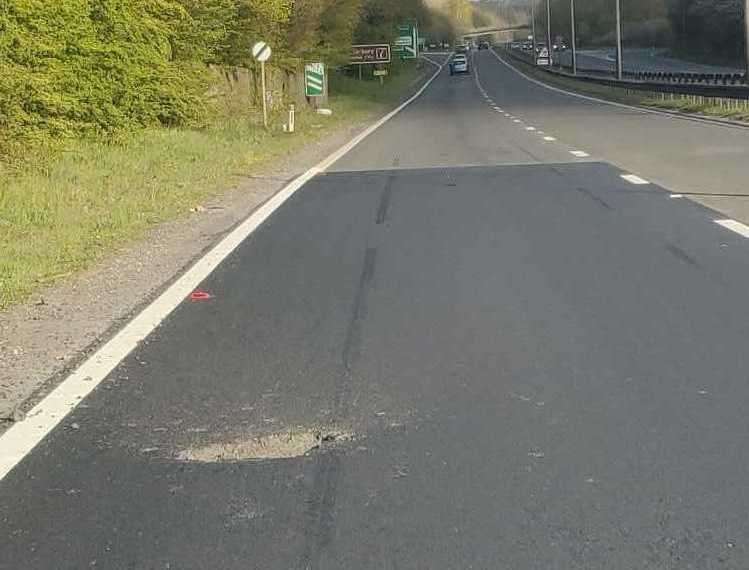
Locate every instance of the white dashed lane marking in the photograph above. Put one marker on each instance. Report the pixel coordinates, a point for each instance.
(530, 128)
(579, 154)
(634, 179)
(549, 139)
(734, 226)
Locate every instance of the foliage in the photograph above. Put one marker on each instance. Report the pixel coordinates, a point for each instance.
(71, 68)
(91, 66)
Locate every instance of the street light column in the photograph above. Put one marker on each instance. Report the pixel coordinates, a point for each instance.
(619, 66)
(573, 38)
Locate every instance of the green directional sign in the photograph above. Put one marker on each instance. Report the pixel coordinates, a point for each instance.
(407, 42)
(314, 79)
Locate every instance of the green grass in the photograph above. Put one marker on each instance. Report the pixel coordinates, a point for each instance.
(695, 105)
(64, 209)
(735, 110)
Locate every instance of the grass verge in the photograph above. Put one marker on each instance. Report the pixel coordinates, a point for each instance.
(64, 210)
(705, 106)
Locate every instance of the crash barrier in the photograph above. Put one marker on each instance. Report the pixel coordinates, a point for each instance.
(720, 85)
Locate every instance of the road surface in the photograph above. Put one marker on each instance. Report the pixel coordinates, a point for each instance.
(518, 359)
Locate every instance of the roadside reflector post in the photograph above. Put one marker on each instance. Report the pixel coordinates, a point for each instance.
(292, 117)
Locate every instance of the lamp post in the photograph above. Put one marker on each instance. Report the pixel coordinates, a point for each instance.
(619, 66)
(574, 40)
(746, 38)
(533, 29)
(548, 30)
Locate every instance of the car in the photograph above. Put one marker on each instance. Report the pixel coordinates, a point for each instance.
(459, 64)
(484, 45)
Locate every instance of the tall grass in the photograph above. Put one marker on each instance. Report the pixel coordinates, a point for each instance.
(65, 209)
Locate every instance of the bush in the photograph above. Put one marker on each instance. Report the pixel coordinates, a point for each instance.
(73, 67)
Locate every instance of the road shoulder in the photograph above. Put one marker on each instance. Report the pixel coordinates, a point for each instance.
(47, 337)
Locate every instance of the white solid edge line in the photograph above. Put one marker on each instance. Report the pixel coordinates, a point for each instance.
(612, 103)
(734, 226)
(634, 179)
(22, 437)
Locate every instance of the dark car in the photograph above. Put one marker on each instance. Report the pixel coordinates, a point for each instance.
(484, 45)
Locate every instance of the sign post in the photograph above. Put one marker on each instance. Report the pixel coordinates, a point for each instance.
(370, 54)
(262, 52)
(314, 79)
(543, 59)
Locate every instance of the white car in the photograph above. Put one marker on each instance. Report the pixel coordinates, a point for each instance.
(459, 64)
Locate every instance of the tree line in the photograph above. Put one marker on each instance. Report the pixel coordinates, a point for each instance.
(71, 67)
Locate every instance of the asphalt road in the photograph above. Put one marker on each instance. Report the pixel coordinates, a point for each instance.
(524, 361)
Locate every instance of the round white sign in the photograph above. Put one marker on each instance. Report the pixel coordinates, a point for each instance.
(261, 51)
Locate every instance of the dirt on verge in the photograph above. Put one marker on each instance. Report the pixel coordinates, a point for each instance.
(42, 340)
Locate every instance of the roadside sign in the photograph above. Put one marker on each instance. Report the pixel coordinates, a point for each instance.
(373, 53)
(261, 52)
(407, 42)
(543, 57)
(314, 79)
(380, 72)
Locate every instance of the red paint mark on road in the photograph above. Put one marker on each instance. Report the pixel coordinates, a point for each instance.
(200, 295)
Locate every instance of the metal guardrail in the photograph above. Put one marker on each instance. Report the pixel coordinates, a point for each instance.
(724, 85)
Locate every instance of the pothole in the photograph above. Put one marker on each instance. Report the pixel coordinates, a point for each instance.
(283, 445)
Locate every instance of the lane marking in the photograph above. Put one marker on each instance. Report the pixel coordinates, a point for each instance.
(676, 196)
(734, 226)
(22, 437)
(530, 128)
(634, 179)
(579, 153)
(549, 139)
(517, 121)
